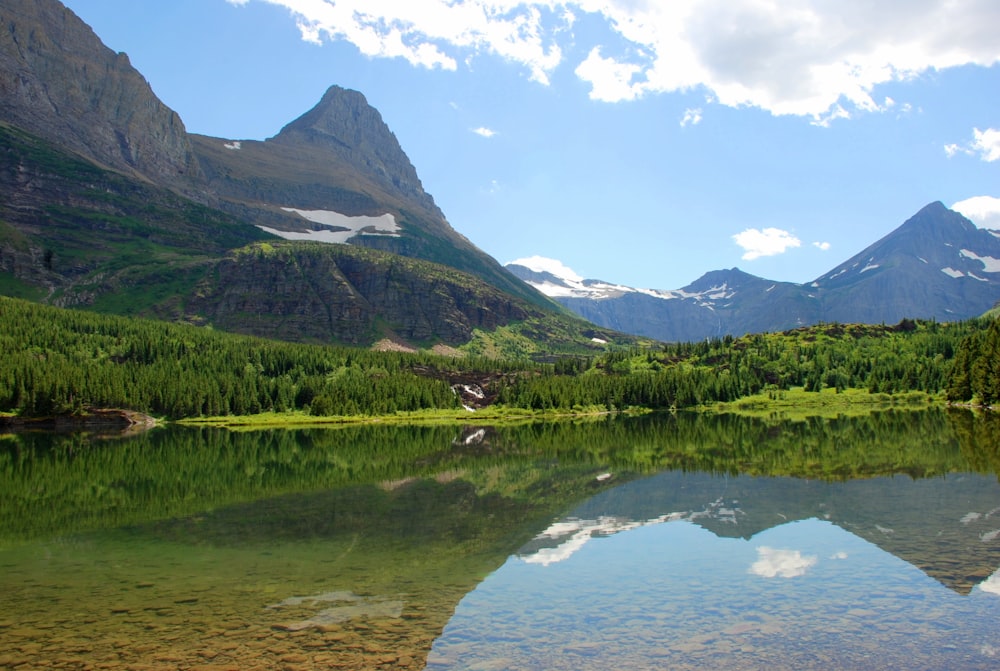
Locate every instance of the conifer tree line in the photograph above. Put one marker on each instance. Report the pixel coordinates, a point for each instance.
(58, 362)
(976, 372)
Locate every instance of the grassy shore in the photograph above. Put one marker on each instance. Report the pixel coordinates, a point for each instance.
(492, 415)
(788, 404)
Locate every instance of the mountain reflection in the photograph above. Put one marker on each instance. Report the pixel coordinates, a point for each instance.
(949, 527)
(694, 570)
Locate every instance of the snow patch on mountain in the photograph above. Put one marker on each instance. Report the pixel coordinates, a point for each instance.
(990, 264)
(556, 280)
(337, 228)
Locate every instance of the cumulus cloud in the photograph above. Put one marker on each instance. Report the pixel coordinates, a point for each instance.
(484, 131)
(983, 211)
(541, 264)
(765, 242)
(772, 563)
(823, 246)
(985, 143)
(436, 33)
(810, 58)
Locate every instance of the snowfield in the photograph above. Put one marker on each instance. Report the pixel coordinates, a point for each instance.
(341, 227)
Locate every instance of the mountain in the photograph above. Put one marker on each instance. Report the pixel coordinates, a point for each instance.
(322, 233)
(936, 265)
(59, 82)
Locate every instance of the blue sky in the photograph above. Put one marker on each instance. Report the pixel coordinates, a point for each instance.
(635, 141)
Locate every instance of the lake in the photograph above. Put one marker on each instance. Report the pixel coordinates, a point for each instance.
(680, 541)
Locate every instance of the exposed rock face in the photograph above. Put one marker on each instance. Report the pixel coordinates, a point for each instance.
(353, 295)
(58, 81)
(344, 124)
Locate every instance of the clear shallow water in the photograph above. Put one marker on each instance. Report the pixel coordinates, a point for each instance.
(301, 550)
(664, 592)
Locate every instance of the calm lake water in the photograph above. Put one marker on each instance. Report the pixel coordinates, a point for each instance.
(680, 542)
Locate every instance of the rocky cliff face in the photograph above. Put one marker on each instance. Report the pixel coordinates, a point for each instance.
(354, 295)
(58, 81)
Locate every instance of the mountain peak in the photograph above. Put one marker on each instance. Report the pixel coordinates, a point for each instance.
(732, 278)
(343, 122)
(333, 114)
(936, 218)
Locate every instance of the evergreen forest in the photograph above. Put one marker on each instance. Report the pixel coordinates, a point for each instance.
(60, 362)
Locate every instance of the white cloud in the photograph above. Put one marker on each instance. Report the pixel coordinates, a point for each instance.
(983, 211)
(823, 246)
(811, 58)
(985, 143)
(435, 33)
(772, 563)
(767, 242)
(541, 264)
(691, 117)
(484, 132)
(611, 80)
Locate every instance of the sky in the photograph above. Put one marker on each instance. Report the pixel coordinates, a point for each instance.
(641, 142)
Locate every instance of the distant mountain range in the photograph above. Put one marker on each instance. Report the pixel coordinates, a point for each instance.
(936, 265)
(322, 233)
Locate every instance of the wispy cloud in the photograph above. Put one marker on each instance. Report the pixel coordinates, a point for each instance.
(985, 143)
(812, 58)
(983, 211)
(483, 131)
(692, 117)
(765, 242)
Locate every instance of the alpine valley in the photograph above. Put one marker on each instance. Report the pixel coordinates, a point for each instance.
(936, 265)
(108, 203)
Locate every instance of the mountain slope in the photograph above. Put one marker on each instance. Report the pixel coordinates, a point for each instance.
(936, 265)
(339, 160)
(106, 202)
(58, 81)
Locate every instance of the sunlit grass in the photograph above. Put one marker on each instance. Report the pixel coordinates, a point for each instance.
(491, 415)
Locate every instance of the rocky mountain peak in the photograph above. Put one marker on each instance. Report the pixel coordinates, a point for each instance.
(937, 220)
(731, 278)
(59, 81)
(343, 122)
